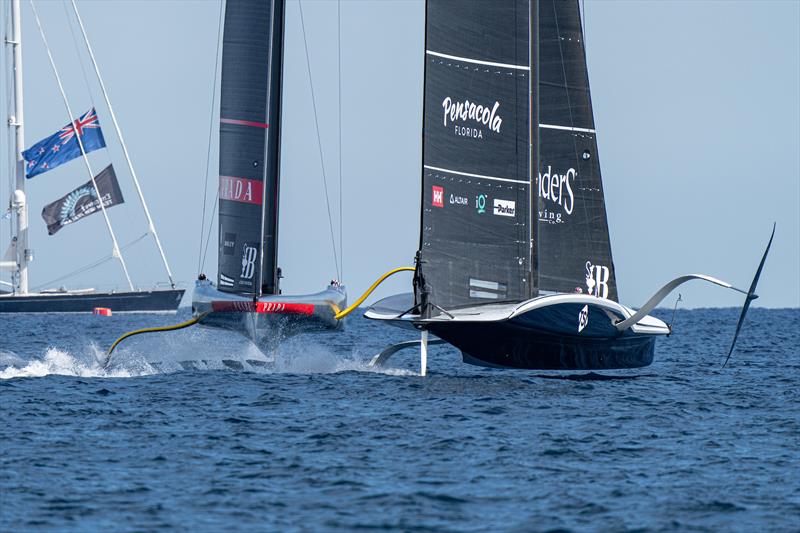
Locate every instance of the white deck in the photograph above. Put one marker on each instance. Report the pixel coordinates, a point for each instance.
(506, 311)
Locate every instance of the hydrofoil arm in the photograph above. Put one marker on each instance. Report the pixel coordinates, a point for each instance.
(664, 291)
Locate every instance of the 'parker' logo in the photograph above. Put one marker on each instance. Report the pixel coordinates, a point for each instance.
(505, 208)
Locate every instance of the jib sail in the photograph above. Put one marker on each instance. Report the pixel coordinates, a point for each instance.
(574, 250)
(249, 145)
(475, 230)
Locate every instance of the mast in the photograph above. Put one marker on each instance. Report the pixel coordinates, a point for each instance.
(533, 218)
(150, 224)
(23, 254)
(270, 220)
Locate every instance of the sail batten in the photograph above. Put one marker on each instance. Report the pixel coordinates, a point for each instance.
(249, 145)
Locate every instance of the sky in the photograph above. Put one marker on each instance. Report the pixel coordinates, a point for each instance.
(697, 109)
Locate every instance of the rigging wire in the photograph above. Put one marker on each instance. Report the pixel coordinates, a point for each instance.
(339, 93)
(78, 53)
(210, 228)
(569, 102)
(319, 141)
(89, 266)
(201, 252)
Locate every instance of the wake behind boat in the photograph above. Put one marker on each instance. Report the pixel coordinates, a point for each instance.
(515, 266)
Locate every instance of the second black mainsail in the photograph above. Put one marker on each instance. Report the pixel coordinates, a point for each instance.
(574, 246)
(249, 146)
(475, 229)
(247, 298)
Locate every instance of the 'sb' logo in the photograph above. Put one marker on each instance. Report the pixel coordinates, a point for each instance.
(248, 261)
(438, 196)
(583, 318)
(597, 279)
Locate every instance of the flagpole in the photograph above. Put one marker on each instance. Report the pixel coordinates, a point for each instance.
(151, 225)
(18, 203)
(116, 251)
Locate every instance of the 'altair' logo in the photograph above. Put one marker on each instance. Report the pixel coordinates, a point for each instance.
(467, 111)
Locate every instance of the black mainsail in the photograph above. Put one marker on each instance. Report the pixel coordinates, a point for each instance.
(475, 229)
(247, 297)
(477, 151)
(574, 246)
(249, 146)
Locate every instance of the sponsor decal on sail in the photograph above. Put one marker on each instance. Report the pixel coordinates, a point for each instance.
(480, 203)
(557, 190)
(458, 200)
(225, 281)
(229, 243)
(437, 196)
(240, 190)
(505, 208)
(249, 255)
(597, 279)
(469, 118)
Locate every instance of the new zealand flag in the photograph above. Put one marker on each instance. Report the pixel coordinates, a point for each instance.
(62, 146)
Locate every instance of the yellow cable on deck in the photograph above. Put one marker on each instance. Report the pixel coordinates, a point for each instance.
(341, 314)
(173, 327)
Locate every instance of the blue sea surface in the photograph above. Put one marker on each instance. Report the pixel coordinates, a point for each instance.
(318, 441)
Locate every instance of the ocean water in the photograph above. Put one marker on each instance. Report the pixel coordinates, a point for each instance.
(318, 441)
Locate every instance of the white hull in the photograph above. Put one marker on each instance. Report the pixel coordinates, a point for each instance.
(271, 319)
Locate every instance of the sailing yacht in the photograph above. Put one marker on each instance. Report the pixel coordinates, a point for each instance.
(515, 265)
(247, 297)
(81, 135)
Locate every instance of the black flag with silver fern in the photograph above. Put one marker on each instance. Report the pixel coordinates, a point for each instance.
(83, 201)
